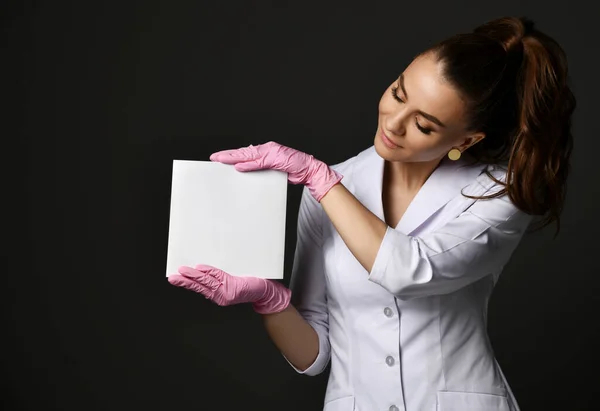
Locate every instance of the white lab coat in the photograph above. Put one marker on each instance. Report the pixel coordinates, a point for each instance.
(411, 334)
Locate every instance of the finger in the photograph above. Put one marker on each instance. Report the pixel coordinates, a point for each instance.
(181, 281)
(203, 277)
(211, 270)
(228, 157)
(190, 272)
(251, 165)
(235, 156)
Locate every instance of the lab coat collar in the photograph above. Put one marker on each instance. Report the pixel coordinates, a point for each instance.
(445, 183)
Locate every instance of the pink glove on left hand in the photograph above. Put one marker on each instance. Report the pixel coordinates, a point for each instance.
(302, 168)
(266, 296)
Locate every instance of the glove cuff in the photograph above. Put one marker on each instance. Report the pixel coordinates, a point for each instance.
(323, 180)
(276, 299)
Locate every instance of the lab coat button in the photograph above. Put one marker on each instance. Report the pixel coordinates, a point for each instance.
(389, 361)
(388, 312)
(394, 408)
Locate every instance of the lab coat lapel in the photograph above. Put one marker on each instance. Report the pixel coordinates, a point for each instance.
(445, 183)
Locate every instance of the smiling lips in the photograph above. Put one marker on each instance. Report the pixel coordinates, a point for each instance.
(389, 143)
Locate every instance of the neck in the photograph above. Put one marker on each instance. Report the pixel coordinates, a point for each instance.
(409, 176)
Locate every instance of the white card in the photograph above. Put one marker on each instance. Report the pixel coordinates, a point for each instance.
(228, 219)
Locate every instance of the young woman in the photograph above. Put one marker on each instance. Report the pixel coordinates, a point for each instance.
(399, 247)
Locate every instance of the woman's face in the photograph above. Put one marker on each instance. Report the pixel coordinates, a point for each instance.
(421, 117)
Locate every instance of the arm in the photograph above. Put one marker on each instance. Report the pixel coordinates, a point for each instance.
(302, 332)
(293, 336)
(361, 230)
(478, 242)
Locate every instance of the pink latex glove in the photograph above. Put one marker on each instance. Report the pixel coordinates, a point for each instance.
(302, 168)
(266, 296)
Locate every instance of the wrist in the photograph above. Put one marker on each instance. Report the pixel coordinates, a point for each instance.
(324, 178)
(277, 298)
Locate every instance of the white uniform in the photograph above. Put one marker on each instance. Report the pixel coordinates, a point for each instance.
(411, 335)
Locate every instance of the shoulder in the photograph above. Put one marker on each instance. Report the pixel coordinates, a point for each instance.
(489, 179)
(499, 211)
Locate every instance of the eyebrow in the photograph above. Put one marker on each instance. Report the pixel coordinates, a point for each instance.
(429, 117)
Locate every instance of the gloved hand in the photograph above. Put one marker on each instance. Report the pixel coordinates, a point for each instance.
(266, 296)
(302, 168)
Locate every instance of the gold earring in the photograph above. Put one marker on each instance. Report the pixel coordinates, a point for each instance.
(454, 154)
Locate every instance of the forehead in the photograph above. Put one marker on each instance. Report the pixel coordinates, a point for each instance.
(429, 92)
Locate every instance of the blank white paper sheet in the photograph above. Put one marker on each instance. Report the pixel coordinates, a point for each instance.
(228, 219)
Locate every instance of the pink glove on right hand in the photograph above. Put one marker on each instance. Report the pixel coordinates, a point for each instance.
(266, 296)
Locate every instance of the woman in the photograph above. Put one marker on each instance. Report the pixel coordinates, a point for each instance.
(399, 247)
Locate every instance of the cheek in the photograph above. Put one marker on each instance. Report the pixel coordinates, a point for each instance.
(424, 147)
(382, 109)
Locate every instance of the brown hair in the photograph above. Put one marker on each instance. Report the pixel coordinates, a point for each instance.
(514, 81)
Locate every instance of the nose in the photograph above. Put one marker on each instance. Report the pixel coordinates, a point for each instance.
(396, 122)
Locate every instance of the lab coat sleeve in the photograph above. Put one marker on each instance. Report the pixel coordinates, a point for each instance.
(478, 242)
(307, 283)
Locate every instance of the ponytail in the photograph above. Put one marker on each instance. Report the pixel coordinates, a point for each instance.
(540, 153)
(514, 79)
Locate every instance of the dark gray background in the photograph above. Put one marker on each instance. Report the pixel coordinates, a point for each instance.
(107, 94)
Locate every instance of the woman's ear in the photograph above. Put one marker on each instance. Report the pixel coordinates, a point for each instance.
(471, 140)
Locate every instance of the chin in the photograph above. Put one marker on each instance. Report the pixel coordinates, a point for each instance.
(387, 153)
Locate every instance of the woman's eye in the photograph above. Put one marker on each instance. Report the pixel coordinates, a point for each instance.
(422, 129)
(393, 91)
